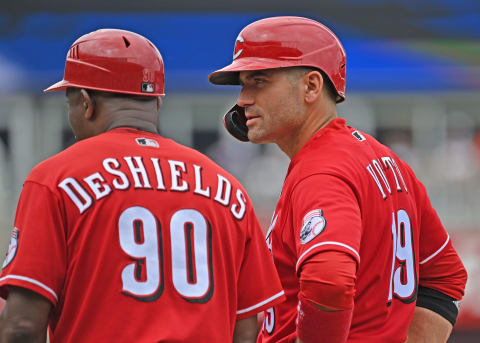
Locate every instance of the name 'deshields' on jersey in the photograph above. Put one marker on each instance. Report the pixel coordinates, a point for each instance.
(141, 177)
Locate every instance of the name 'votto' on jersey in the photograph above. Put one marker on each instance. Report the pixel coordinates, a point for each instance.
(370, 205)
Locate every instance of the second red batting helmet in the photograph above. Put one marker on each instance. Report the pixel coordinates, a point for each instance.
(282, 42)
(113, 60)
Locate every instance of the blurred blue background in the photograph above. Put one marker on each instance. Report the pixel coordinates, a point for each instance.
(32, 47)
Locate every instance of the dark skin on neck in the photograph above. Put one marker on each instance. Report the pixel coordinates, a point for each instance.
(94, 112)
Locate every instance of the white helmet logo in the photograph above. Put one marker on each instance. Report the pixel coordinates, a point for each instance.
(239, 39)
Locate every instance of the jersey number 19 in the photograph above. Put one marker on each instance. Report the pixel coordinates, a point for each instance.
(403, 277)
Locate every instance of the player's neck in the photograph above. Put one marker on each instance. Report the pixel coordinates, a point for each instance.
(314, 121)
(122, 112)
(133, 123)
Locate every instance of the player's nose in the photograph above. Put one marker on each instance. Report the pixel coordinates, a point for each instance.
(245, 98)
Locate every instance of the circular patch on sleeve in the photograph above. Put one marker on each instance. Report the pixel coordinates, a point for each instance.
(313, 224)
(12, 248)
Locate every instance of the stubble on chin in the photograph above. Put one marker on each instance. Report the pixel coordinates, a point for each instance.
(257, 136)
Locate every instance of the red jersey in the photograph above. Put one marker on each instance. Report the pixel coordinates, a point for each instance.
(345, 191)
(135, 238)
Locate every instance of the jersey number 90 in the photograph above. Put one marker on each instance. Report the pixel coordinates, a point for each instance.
(140, 235)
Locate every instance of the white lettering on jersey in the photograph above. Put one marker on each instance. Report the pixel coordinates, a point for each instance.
(241, 203)
(97, 184)
(379, 169)
(79, 196)
(392, 165)
(403, 278)
(138, 171)
(188, 228)
(198, 182)
(109, 169)
(223, 195)
(102, 185)
(177, 176)
(375, 178)
(158, 173)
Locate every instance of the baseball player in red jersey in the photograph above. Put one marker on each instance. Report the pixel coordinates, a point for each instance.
(127, 236)
(359, 249)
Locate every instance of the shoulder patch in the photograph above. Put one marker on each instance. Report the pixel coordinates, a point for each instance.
(313, 224)
(12, 248)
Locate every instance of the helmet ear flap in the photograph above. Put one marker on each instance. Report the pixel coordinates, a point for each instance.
(234, 121)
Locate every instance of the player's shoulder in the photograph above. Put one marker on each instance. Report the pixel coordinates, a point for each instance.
(331, 150)
(76, 157)
(49, 169)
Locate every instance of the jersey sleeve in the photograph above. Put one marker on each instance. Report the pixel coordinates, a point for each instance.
(326, 216)
(259, 286)
(36, 257)
(440, 266)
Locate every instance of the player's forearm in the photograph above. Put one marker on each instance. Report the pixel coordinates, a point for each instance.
(298, 340)
(245, 330)
(428, 327)
(25, 317)
(21, 333)
(319, 324)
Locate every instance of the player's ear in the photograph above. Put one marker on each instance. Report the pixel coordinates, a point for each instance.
(88, 104)
(314, 84)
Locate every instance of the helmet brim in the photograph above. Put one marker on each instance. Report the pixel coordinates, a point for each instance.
(58, 87)
(63, 85)
(229, 74)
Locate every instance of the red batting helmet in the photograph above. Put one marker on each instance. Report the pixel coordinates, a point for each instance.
(281, 42)
(113, 60)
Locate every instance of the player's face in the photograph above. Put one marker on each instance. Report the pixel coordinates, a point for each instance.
(76, 111)
(273, 105)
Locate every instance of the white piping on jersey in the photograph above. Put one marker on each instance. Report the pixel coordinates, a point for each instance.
(436, 252)
(261, 303)
(325, 243)
(35, 282)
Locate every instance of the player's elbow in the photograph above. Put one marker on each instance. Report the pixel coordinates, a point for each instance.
(331, 296)
(328, 279)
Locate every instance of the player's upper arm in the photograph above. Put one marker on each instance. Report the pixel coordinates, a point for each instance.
(25, 317)
(326, 216)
